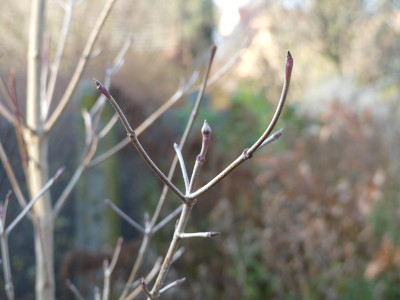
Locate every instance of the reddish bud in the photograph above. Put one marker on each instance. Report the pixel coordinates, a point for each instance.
(289, 66)
(206, 129)
(102, 89)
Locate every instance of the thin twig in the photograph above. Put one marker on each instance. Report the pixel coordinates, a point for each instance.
(74, 290)
(124, 216)
(200, 159)
(145, 289)
(6, 114)
(273, 137)
(199, 234)
(153, 272)
(136, 143)
(111, 70)
(172, 285)
(67, 190)
(18, 125)
(174, 98)
(145, 124)
(168, 218)
(55, 67)
(91, 143)
(188, 205)
(139, 259)
(6, 93)
(106, 129)
(80, 66)
(22, 214)
(183, 167)
(185, 135)
(146, 239)
(247, 153)
(108, 269)
(5, 254)
(10, 174)
(4, 211)
(43, 77)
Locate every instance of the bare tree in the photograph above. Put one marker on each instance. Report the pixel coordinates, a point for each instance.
(33, 138)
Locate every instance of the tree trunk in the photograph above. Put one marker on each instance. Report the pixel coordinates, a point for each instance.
(36, 143)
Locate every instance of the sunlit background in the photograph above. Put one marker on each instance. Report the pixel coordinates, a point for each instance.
(315, 215)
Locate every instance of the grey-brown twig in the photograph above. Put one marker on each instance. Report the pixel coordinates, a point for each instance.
(74, 290)
(124, 216)
(132, 135)
(109, 268)
(11, 176)
(172, 285)
(147, 236)
(80, 66)
(247, 153)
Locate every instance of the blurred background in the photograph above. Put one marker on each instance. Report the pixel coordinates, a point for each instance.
(315, 215)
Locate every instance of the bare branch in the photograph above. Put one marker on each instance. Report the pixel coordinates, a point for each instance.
(55, 67)
(74, 290)
(124, 216)
(167, 219)
(178, 95)
(111, 70)
(43, 77)
(172, 285)
(106, 129)
(80, 66)
(136, 143)
(146, 291)
(148, 278)
(282, 100)
(183, 167)
(91, 143)
(18, 126)
(201, 158)
(249, 152)
(4, 211)
(187, 205)
(199, 234)
(6, 114)
(5, 254)
(108, 269)
(273, 137)
(178, 254)
(174, 98)
(22, 214)
(10, 174)
(67, 190)
(6, 93)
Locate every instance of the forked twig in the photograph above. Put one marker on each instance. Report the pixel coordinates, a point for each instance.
(180, 228)
(109, 268)
(132, 135)
(247, 153)
(174, 98)
(74, 290)
(147, 236)
(148, 278)
(124, 216)
(80, 66)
